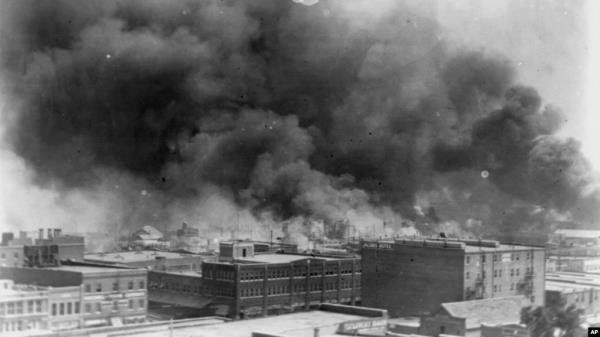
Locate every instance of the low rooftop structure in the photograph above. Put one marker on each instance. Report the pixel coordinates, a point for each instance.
(467, 317)
(328, 321)
(155, 260)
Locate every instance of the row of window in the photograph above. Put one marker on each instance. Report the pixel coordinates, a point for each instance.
(19, 307)
(116, 286)
(224, 275)
(97, 307)
(501, 257)
(65, 308)
(21, 325)
(176, 286)
(297, 288)
(498, 272)
(15, 255)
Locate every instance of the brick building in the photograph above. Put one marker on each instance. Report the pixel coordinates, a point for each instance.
(411, 277)
(248, 284)
(110, 296)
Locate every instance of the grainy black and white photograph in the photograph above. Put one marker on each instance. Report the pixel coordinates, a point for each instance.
(299, 168)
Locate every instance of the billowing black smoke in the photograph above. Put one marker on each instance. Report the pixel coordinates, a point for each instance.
(286, 109)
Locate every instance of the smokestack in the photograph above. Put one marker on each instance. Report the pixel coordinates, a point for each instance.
(41, 234)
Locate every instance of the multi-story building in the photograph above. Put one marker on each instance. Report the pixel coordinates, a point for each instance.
(247, 284)
(46, 251)
(110, 296)
(22, 307)
(152, 260)
(12, 251)
(412, 277)
(65, 308)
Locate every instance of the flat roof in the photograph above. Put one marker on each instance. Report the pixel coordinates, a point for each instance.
(136, 256)
(468, 246)
(287, 258)
(298, 324)
(581, 278)
(566, 287)
(91, 269)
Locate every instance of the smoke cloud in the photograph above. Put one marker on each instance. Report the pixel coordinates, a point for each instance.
(221, 113)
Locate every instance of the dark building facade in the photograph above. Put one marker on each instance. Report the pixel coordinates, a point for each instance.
(246, 284)
(413, 277)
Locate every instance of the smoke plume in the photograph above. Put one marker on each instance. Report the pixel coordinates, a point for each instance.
(221, 112)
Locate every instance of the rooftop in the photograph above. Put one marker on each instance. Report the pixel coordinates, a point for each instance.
(91, 270)
(9, 288)
(492, 311)
(566, 287)
(468, 246)
(574, 278)
(136, 256)
(298, 324)
(579, 233)
(283, 258)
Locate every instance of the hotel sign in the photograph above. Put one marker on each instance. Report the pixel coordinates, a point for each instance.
(355, 326)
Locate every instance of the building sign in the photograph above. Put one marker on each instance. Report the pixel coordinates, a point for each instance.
(355, 326)
(506, 257)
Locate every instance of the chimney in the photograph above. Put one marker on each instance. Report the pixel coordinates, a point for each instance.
(49, 233)
(57, 232)
(41, 234)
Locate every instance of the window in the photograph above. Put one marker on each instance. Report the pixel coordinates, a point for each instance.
(517, 271)
(482, 258)
(495, 288)
(77, 308)
(468, 259)
(130, 285)
(98, 307)
(62, 309)
(88, 288)
(99, 287)
(142, 304)
(495, 273)
(130, 304)
(10, 308)
(468, 275)
(69, 308)
(53, 309)
(16, 254)
(512, 272)
(483, 274)
(495, 258)
(29, 307)
(115, 306)
(88, 308)
(38, 306)
(115, 286)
